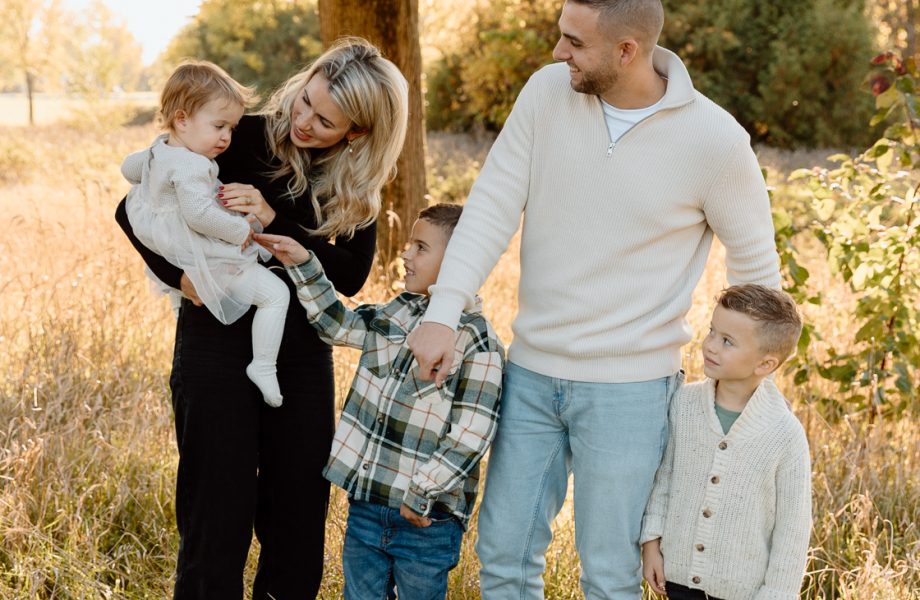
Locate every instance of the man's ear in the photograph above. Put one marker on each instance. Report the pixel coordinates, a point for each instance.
(627, 51)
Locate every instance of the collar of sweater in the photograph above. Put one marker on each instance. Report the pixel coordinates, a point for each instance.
(766, 406)
(680, 87)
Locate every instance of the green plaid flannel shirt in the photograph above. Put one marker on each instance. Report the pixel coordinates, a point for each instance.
(400, 439)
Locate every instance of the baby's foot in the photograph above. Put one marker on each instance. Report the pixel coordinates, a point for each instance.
(264, 376)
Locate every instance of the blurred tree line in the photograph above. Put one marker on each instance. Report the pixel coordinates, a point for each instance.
(45, 47)
(790, 71)
(259, 43)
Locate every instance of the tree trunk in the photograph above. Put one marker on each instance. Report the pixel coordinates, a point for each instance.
(391, 25)
(912, 22)
(30, 84)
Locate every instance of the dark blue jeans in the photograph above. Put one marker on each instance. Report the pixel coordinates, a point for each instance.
(382, 548)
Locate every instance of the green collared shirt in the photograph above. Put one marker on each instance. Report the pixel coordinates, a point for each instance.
(400, 439)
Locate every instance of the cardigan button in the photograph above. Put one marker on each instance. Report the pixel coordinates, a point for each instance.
(700, 547)
(723, 445)
(715, 479)
(707, 513)
(696, 579)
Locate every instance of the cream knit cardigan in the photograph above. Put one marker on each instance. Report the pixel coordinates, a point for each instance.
(615, 236)
(733, 511)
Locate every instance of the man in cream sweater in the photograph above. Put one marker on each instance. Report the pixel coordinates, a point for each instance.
(623, 173)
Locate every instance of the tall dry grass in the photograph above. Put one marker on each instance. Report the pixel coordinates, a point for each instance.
(87, 452)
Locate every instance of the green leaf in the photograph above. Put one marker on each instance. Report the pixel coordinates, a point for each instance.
(887, 98)
(905, 85)
(825, 208)
(800, 174)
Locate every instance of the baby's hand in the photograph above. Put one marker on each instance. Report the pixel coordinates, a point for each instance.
(285, 249)
(653, 566)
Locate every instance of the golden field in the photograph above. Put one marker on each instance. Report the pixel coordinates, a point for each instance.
(87, 450)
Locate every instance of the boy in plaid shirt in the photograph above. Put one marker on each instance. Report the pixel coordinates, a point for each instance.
(406, 451)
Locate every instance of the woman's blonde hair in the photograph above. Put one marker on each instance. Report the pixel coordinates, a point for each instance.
(348, 176)
(193, 84)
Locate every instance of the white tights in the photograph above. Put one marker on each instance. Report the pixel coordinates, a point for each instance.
(270, 297)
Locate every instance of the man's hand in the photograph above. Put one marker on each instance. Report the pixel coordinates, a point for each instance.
(653, 566)
(188, 289)
(408, 514)
(433, 347)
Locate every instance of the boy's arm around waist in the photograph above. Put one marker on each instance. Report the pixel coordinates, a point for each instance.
(473, 421)
(792, 528)
(335, 323)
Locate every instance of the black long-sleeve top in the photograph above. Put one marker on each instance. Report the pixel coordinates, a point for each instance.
(249, 160)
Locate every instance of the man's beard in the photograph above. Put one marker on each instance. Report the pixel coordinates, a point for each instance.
(596, 83)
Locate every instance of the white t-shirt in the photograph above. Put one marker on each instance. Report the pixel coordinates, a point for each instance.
(619, 120)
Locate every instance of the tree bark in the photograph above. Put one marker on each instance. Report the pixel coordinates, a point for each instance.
(391, 25)
(30, 93)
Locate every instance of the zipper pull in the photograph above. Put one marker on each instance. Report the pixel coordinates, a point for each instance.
(610, 149)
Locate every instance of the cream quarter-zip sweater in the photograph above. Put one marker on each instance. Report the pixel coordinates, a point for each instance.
(733, 511)
(615, 236)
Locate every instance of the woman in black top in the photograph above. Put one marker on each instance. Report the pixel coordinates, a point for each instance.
(309, 166)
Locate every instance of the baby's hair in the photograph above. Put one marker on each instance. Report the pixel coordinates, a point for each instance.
(443, 215)
(778, 320)
(193, 84)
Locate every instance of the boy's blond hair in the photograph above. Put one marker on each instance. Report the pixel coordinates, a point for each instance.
(193, 84)
(778, 322)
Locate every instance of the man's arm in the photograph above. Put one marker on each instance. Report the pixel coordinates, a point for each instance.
(737, 209)
(491, 216)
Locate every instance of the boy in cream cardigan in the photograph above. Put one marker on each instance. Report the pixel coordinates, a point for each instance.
(730, 514)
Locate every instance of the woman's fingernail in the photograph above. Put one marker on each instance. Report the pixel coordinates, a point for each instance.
(220, 187)
(220, 195)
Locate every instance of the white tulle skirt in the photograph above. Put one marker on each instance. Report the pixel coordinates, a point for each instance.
(210, 264)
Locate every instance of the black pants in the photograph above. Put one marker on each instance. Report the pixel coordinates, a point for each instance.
(680, 592)
(244, 465)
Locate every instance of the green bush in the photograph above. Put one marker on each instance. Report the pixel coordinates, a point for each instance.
(258, 43)
(789, 70)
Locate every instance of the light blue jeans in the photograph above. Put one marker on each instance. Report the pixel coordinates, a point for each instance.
(611, 437)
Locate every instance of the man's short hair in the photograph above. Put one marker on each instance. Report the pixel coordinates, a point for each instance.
(443, 215)
(778, 322)
(641, 18)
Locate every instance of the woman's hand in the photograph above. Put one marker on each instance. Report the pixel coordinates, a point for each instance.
(188, 289)
(285, 249)
(246, 199)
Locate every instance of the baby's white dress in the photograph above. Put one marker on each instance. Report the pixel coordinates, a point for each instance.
(173, 210)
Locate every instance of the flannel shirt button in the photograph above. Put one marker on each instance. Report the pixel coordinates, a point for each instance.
(696, 579)
(423, 506)
(365, 466)
(723, 445)
(380, 420)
